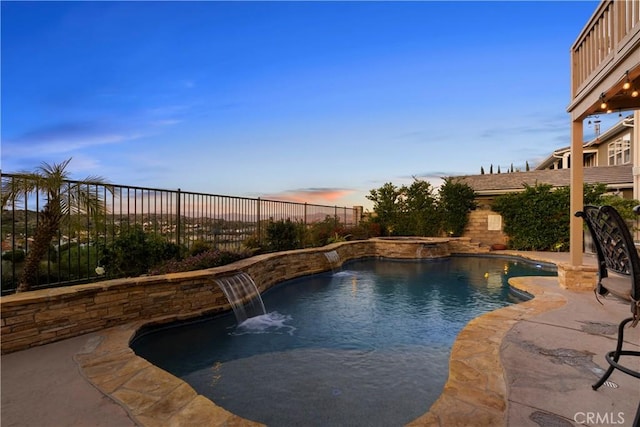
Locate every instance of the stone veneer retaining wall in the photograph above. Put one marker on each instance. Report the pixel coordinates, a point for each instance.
(39, 317)
(477, 228)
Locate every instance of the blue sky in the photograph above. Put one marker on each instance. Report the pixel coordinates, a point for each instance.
(307, 101)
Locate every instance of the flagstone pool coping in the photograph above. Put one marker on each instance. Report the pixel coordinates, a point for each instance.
(474, 392)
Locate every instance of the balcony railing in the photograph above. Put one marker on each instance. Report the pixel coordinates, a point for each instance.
(181, 217)
(605, 40)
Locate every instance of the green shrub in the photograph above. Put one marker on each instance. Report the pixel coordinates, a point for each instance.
(364, 230)
(208, 259)
(76, 261)
(283, 235)
(537, 219)
(253, 243)
(623, 206)
(16, 255)
(321, 232)
(200, 246)
(134, 252)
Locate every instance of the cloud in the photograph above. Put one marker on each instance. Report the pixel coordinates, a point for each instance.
(555, 131)
(66, 137)
(165, 122)
(311, 195)
(556, 126)
(168, 110)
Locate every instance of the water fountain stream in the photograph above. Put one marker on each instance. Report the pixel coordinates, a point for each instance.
(333, 258)
(243, 296)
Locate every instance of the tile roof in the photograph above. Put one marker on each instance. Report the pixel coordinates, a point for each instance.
(513, 181)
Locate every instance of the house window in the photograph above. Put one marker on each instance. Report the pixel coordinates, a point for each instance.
(620, 151)
(590, 160)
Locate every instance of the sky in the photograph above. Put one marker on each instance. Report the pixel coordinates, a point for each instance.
(317, 102)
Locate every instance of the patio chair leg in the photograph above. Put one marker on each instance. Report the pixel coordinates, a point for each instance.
(613, 356)
(603, 378)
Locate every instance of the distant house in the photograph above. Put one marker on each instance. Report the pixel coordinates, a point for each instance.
(607, 159)
(611, 148)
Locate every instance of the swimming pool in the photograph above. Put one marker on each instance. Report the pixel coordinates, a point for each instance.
(368, 345)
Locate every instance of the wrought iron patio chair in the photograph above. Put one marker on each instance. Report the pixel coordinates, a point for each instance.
(618, 274)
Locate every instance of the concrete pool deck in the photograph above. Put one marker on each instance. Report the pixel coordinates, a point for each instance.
(530, 364)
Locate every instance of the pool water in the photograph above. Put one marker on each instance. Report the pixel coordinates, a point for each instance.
(366, 346)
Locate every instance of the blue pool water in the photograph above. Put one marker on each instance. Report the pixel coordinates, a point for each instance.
(366, 346)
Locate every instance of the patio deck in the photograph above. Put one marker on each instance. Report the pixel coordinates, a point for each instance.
(530, 364)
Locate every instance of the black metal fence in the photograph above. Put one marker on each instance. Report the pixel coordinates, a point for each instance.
(180, 217)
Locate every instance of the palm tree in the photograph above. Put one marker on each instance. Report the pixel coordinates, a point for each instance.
(62, 198)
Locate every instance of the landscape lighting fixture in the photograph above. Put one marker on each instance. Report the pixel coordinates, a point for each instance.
(627, 83)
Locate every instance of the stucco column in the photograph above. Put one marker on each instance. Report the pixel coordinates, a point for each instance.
(635, 153)
(635, 140)
(577, 194)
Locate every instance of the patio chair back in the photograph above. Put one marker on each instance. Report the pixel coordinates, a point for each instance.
(618, 274)
(618, 260)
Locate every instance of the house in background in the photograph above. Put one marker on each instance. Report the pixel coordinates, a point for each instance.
(607, 159)
(611, 148)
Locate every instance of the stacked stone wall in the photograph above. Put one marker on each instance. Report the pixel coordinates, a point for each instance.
(478, 229)
(581, 278)
(43, 316)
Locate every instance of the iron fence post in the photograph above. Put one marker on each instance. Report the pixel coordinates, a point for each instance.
(258, 223)
(305, 214)
(178, 213)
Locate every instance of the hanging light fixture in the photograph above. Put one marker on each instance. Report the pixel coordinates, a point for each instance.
(627, 83)
(634, 93)
(603, 102)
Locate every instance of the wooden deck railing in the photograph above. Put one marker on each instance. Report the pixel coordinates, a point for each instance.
(603, 41)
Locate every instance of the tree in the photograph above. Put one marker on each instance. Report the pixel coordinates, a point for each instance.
(481, 170)
(385, 205)
(62, 198)
(406, 210)
(456, 200)
(420, 210)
